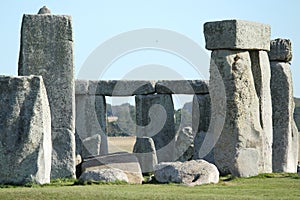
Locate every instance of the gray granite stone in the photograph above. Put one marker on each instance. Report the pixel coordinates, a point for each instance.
(194, 172)
(285, 142)
(261, 72)
(25, 131)
(184, 144)
(201, 112)
(280, 50)
(181, 87)
(144, 150)
(201, 119)
(44, 10)
(237, 34)
(107, 175)
(155, 119)
(121, 87)
(47, 50)
(81, 87)
(242, 126)
(91, 123)
(91, 146)
(126, 162)
(242, 166)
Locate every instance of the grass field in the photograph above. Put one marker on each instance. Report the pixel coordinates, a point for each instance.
(272, 186)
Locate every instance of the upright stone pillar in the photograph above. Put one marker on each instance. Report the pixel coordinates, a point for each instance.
(91, 124)
(47, 50)
(25, 131)
(201, 120)
(155, 119)
(285, 133)
(239, 65)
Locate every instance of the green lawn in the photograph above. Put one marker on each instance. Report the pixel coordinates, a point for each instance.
(274, 186)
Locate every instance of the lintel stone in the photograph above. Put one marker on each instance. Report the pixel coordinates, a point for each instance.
(120, 87)
(81, 87)
(182, 87)
(237, 34)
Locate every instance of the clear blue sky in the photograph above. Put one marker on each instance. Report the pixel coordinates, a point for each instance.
(96, 21)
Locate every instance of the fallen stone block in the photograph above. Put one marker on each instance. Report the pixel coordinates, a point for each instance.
(181, 87)
(194, 172)
(106, 175)
(25, 131)
(237, 34)
(126, 162)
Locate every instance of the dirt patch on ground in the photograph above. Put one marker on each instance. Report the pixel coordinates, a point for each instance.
(119, 144)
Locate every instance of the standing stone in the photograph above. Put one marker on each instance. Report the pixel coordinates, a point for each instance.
(144, 150)
(285, 139)
(243, 147)
(155, 119)
(25, 131)
(91, 125)
(184, 144)
(201, 120)
(242, 129)
(261, 71)
(47, 50)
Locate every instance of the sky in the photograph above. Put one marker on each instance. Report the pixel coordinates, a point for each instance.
(98, 24)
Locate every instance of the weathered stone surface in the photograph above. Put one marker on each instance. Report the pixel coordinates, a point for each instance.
(201, 113)
(199, 147)
(81, 87)
(194, 172)
(242, 128)
(184, 144)
(25, 131)
(261, 72)
(182, 87)
(144, 150)
(280, 50)
(201, 120)
(242, 166)
(91, 123)
(91, 146)
(121, 87)
(47, 50)
(285, 145)
(237, 34)
(155, 119)
(107, 175)
(123, 161)
(44, 10)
